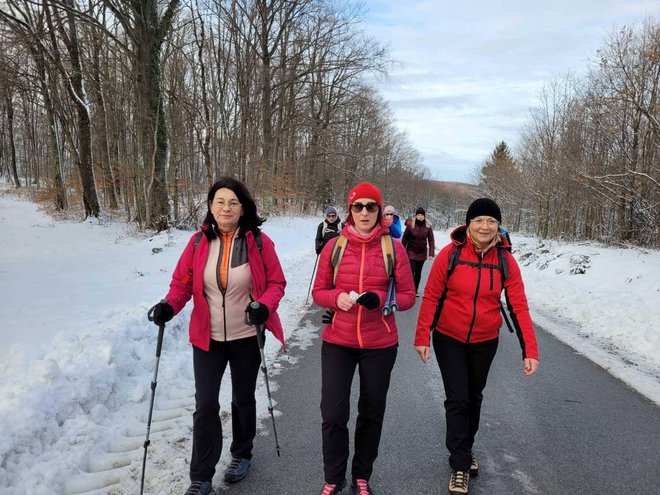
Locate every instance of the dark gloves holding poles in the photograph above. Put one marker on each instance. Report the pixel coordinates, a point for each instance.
(327, 317)
(161, 313)
(369, 300)
(258, 315)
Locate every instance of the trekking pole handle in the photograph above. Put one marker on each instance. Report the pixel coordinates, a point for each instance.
(260, 337)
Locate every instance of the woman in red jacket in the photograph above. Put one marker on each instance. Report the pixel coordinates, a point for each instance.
(359, 334)
(224, 270)
(463, 314)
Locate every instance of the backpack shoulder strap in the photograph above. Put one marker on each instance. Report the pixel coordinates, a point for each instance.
(337, 254)
(258, 241)
(198, 237)
(389, 254)
(502, 264)
(454, 256)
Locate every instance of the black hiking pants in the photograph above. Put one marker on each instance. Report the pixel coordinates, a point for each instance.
(416, 266)
(464, 369)
(244, 360)
(337, 369)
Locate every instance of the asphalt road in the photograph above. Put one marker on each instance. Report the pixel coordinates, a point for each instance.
(571, 428)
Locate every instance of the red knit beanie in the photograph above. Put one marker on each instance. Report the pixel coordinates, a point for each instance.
(365, 190)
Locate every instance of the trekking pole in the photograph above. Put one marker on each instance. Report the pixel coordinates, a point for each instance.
(260, 343)
(159, 346)
(393, 305)
(387, 307)
(312, 279)
(506, 318)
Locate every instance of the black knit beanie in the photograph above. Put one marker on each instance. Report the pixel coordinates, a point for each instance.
(420, 211)
(483, 207)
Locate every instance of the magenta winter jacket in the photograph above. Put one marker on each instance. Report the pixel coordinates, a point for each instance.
(268, 284)
(415, 241)
(362, 269)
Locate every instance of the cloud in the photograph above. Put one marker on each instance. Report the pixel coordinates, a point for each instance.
(466, 73)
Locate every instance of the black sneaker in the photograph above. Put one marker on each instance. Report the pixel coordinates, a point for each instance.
(361, 487)
(199, 488)
(237, 470)
(332, 489)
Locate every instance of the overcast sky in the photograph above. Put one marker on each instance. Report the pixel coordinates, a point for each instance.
(467, 71)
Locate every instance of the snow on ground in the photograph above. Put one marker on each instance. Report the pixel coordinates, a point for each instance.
(78, 352)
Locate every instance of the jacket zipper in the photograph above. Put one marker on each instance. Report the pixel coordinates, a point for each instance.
(222, 291)
(474, 302)
(359, 315)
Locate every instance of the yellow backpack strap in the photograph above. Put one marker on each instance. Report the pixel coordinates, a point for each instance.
(389, 254)
(337, 254)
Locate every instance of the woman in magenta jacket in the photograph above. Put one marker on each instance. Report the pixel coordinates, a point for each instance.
(230, 264)
(463, 314)
(419, 243)
(358, 335)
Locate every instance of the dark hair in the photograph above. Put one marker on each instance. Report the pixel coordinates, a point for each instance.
(248, 221)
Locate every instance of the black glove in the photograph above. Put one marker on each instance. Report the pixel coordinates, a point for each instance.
(161, 313)
(326, 319)
(258, 315)
(369, 300)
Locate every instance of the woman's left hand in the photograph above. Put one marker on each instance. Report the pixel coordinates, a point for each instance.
(531, 365)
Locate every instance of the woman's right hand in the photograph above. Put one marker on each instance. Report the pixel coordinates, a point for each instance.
(424, 352)
(345, 302)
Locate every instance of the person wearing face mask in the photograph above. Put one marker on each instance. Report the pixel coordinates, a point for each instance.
(224, 267)
(460, 313)
(358, 335)
(419, 243)
(393, 221)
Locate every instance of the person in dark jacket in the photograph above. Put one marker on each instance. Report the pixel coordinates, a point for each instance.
(224, 268)
(358, 335)
(328, 228)
(392, 220)
(419, 243)
(463, 314)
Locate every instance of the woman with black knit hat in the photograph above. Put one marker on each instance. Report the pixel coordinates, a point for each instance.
(461, 309)
(419, 243)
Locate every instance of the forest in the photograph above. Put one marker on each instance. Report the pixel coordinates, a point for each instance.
(132, 108)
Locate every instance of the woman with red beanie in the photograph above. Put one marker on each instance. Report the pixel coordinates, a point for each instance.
(462, 311)
(358, 334)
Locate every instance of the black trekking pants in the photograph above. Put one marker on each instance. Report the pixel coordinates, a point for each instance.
(416, 266)
(244, 360)
(464, 369)
(337, 369)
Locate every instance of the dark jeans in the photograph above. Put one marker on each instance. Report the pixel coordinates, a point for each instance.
(337, 369)
(244, 359)
(464, 369)
(416, 267)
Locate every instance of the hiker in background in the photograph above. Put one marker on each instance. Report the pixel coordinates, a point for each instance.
(392, 220)
(225, 267)
(461, 308)
(328, 229)
(409, 221)
(358, 334)
(419, 243)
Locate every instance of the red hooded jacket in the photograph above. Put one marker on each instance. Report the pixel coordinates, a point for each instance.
(362, 269)
(268, 284)
(471, 310)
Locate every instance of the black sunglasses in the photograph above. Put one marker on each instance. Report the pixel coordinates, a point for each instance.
(371, 207)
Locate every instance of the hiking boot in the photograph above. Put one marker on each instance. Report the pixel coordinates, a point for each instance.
(361, 487)
(458, 483)
(237, 470)
(199, 488)
(474, 467)
(332, 489)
